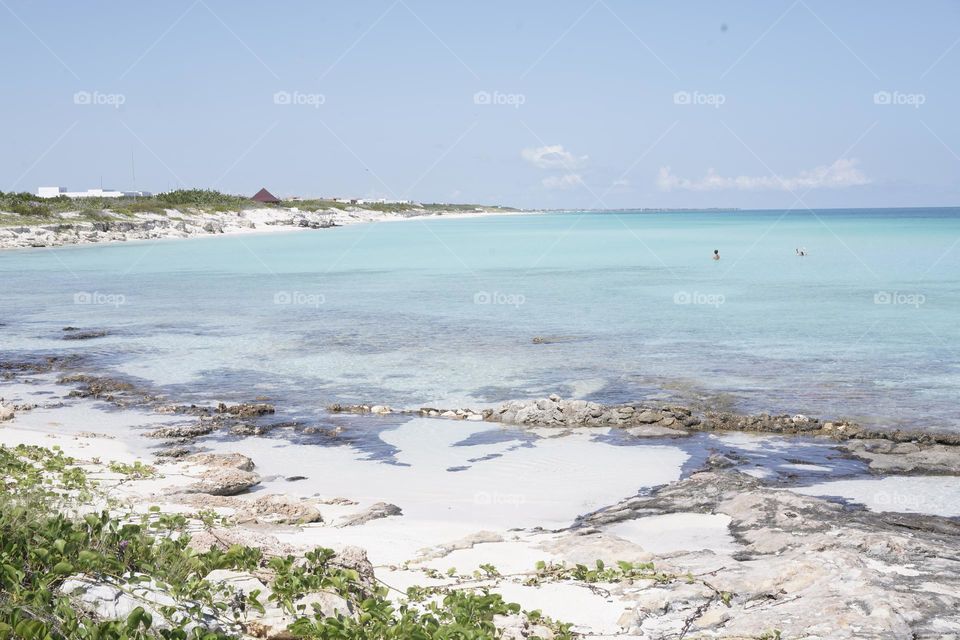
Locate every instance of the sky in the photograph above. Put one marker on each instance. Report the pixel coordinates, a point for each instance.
(537, 104)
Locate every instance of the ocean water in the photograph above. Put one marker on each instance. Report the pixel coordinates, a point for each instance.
(445, 312)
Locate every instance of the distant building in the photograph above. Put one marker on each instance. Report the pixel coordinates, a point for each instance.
(266, 197)
(377, 201)
(54, 192)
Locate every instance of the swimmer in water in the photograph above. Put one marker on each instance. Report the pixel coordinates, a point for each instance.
(716, 254)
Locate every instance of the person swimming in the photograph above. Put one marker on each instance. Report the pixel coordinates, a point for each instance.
(716, 254)
(801, 252)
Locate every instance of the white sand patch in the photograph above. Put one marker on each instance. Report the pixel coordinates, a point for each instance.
(548, 484)
(934, 495)
(571, 603)
(678, 532)
(511, 556)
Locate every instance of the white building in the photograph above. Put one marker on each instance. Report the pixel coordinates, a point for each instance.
(53, 192)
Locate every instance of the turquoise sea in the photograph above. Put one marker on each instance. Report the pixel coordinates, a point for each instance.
(628, 305)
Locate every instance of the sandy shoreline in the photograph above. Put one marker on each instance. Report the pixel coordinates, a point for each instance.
(174, 225)
(565, 498)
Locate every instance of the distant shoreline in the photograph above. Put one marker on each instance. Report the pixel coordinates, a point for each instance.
(73, 229)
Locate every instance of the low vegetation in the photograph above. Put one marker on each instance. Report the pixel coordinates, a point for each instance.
(49, 533)
(32, 206)
(26, 208)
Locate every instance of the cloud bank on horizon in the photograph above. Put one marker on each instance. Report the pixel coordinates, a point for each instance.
(842, 173)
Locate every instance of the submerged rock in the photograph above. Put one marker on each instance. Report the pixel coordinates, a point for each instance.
(6, 412)
(97, 387)
(72, 333)
(552, 339)
(246, 409)
(181, 431)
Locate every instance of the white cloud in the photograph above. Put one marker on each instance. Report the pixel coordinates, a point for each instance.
(842, 173)
(552, 157)
(567, 181)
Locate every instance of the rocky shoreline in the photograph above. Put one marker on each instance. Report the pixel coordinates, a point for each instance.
(765, 562)
(886, 452)
(895, 451)
(73, 229)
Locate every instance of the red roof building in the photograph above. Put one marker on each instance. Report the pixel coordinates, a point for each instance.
(265, 196)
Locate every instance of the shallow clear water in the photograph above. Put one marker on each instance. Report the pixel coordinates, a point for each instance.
(445, 311)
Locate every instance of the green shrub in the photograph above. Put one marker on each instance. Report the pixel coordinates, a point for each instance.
(41, 545)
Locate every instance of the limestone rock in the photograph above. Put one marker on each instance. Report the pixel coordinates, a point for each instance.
(246, 410)
(885, 456)
(273, 622)
(281, 509)
(224, 460)
(655, 431)
(217, 481)
(110, 600)
(516, 627)
(373, 512)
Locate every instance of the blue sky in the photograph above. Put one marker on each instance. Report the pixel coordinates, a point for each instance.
(535, 104)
